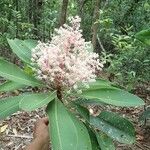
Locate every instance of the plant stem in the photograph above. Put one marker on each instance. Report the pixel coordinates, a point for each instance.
(59, 94)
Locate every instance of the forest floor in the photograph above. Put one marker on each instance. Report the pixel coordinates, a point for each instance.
(16, 131)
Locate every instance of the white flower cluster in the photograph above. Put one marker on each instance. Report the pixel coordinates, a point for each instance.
(66, 61)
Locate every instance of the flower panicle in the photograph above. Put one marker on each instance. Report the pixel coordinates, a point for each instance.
(66, 61)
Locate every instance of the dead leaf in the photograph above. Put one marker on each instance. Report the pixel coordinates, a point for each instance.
(14, 131)
(3, 128)
(139, 137)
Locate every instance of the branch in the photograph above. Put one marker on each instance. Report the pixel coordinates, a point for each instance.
(20, 136)
(100, 43)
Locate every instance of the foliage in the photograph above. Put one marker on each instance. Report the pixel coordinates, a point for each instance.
(128, 59)
(144, 36)
(132, 63)
(73, 134)
(122, 41)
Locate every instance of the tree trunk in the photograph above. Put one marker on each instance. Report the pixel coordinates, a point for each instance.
(30, 10)
(81, 4)
(37, 13)
(17, 9)
(63, 12)
(95, 25)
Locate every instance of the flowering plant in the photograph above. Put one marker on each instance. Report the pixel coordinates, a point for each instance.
(65, 63)
(65, 70)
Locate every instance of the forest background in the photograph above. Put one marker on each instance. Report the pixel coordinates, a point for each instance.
(111, 25)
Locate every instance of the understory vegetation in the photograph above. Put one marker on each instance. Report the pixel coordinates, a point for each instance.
(112, 24)
(81, 62)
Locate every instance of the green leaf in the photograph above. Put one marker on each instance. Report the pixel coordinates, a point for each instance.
(87, 102)
(104, 141)
(30, 43)
(13, 73)
(118, 128)
(144, 36)
(27, 69)
(82, 111)
(9, 106)
(33, 101)
(67, 132)
(26, 101)
(10, 86)
(94, 142)
(115, 97)
(99, 84)
(19, 48)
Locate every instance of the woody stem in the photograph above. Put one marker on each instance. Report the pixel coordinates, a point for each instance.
(59, 94)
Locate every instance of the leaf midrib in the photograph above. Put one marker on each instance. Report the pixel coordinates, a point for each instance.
(22, 79)
(41, 101)
(7, 109)
(21, 51)
(118, 102)
(56, 114)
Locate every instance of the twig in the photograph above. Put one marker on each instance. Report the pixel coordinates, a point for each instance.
(20, 136)
(18, 147)
(147, 146)
(138, 145)
(121, 145)
(100, 43)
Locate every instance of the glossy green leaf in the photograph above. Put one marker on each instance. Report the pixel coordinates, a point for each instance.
(118, 128)
(82, 111)
(144, 36)
(30, 43)
(87, 102)
(33, 101)
(12, 72)
(99, 83)
(104, 141)
(10, 86)
(94, 142)
(22, 48)
(115, 97)
(9, 106)
(115, 126)
(27, 69)
(67, 132)
(26, 101)
(19, 48)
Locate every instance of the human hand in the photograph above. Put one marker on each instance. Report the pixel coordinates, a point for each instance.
(41, 132)
(41, 136)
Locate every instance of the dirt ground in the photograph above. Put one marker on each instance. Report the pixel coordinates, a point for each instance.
(18, 129)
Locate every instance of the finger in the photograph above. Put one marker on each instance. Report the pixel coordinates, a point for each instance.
(45, 120)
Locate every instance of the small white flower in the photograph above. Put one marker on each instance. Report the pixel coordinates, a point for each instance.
(66, 60)
(87, 86)
(79, 91)
(32, 59)
(91, 111)
(75, 86)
